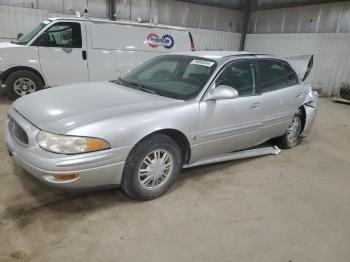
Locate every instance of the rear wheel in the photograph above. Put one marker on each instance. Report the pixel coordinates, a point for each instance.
(22, 82)
(291, 137)
(151, 168)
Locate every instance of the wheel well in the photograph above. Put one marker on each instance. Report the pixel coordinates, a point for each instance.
(303, 117)
(18, 68)
(179, 138)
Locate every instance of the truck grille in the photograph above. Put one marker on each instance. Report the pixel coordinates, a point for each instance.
(18, 132)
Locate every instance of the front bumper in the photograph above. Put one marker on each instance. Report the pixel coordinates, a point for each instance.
(95, 169)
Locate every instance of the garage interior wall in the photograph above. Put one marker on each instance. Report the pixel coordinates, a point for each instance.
(213, 28)
(322, 30)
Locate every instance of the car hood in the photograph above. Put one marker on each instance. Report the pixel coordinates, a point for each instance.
(60, 109)
(7, 45)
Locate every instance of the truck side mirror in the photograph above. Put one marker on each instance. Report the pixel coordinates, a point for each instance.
(19, 35)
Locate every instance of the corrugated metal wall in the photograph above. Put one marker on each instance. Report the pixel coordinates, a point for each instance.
(98, 8)
(213, 28)
(322, 30)
(181, 14)
(322, 18)
(215, 40)
(18, 19)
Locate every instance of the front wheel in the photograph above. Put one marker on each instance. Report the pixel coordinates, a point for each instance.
(22, 82)
(151, 168)
(291, 137)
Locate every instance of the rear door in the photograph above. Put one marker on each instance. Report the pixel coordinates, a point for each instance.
(62, 53)
(282, 95)
(230, 124)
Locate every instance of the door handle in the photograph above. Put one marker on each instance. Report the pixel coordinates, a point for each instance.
(84, 54)
(255, 105)
(298, 94)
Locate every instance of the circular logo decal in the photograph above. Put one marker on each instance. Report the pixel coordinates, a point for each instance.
(152, 40)
(166, 41)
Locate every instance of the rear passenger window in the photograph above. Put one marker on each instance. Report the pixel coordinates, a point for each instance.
(239, 75)
(292, 77)
(272, 75)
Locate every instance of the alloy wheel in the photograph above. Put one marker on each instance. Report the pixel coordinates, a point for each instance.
(155, 169)
(294, 129)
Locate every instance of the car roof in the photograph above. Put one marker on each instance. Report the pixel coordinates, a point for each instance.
(222, 55)
(120, 22)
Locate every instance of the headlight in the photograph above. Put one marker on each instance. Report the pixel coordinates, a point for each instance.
(69, 144)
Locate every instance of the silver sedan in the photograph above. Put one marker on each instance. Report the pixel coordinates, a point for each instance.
(175, 110)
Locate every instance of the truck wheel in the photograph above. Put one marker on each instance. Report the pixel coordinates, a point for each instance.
(291, 137)
(151, 168)
(22, 82)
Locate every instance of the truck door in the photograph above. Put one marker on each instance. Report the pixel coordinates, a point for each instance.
(62, 53)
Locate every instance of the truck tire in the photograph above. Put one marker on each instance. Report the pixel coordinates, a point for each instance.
(22, 82)
(151, 168)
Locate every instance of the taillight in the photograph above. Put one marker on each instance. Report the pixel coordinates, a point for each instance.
(193, 48)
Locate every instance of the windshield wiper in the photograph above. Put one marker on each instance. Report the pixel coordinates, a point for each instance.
(137, 86)
(145, 89)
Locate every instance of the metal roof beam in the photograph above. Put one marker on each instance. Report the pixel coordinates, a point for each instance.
(293, 4)
(245, 22)
(216, 4)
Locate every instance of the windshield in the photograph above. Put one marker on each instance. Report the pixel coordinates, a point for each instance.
(174, 76)
(23, 40)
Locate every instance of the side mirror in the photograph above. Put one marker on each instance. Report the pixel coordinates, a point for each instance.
(19, 35)
(42, 40)
(222, 92)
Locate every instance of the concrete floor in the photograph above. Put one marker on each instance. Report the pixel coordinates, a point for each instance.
(291, 207)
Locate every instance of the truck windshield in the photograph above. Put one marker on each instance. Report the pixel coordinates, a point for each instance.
(176, 76)
(24, 39)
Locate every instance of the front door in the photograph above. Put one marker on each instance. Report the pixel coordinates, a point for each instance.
(62, 53)
(230, 124)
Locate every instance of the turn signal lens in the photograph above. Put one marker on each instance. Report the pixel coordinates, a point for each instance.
(93, 144)
(65, 177)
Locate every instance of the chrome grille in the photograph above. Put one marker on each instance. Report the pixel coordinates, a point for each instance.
(17, 131)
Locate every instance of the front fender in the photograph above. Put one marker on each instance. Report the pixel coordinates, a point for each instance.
(129, 129)
(21, 57)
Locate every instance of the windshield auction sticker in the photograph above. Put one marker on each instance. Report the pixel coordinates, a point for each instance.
(202, 63)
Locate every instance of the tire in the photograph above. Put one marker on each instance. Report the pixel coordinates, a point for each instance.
(291, 138)
(22, 82)
(344, 91)
(143, 168)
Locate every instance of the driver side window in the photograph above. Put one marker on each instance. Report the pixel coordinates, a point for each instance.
(239, 75)
(62, 34)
